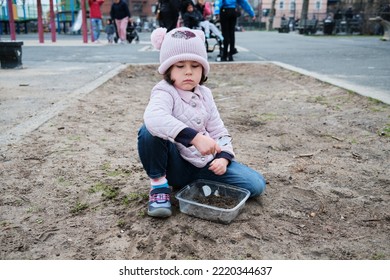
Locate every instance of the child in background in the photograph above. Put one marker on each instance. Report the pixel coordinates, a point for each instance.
(178, 142)
(194, 18)
(110, 31)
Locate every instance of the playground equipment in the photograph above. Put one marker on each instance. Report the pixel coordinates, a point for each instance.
(62, 19)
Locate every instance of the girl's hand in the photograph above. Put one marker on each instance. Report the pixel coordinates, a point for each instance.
(205, 145)
(218, 166)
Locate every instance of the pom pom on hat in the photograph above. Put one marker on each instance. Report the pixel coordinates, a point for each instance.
(157, 37)
(180, 44)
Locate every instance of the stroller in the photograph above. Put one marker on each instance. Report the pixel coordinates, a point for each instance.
(211, 45)
(214, 42)
(131, 33)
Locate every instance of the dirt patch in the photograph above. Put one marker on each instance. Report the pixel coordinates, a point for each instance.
(223, 202)
(75, 189)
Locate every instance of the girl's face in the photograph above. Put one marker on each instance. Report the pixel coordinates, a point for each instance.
(186, 74)
(190, 8)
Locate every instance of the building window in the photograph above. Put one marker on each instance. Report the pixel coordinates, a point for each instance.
(318, 5)
(281, 5)
(292, 6)
(137, 7)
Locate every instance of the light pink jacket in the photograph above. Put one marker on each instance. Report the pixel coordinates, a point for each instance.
(170, 110)
(207, 10)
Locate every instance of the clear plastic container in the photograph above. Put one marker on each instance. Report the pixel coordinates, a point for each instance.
(212, 201)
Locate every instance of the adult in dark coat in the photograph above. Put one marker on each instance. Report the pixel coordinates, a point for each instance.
(169, 13)
(120, 13)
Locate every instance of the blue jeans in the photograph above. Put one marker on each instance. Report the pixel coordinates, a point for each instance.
(160, 157)
(96, 27)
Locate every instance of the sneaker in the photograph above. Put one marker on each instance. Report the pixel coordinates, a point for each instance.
(160, 203)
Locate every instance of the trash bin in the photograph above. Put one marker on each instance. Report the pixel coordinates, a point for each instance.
(11, 54)
(328, 27)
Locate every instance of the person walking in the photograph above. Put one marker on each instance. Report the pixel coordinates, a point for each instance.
(169, 13)
(120, 13)
(96, 18)
(110, 31)
(227, 12)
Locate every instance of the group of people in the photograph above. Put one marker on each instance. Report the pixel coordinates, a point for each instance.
(197, 14)
(118, 22)
(194, 15)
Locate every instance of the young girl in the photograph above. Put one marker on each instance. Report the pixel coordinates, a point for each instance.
(178, 142)
(193, 18)
(110, 31)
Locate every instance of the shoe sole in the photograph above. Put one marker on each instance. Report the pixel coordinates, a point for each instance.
(160, 213)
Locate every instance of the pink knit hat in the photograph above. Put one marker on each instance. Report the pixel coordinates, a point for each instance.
(180, 44)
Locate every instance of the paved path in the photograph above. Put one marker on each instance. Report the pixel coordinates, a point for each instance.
(55, 74)
(358, 63)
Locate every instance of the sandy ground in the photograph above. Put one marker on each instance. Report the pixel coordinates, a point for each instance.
(75, 189)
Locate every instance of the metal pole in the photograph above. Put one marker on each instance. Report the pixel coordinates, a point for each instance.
(11, 19)
(90, 23)
(52, 22)
(84, 26)
(40, 25)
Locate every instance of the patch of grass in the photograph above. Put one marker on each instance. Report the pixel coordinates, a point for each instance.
(34, 209)
(385, 131)
(379, 256)
(114, 173)
(108, 192)
(141, 213)
(74, 138)
(18, 202)
(79, 207)
(376, 109)
(353, 141)
(121, 223)
(135, 197)
(335, 102)
(4, 223)
(63, 181)
(266, 117)
(375, 101)
(321, 100)
(377, 105)
(106, 166)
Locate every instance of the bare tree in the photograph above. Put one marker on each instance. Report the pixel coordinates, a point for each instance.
(271, 16)
(304, 13)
